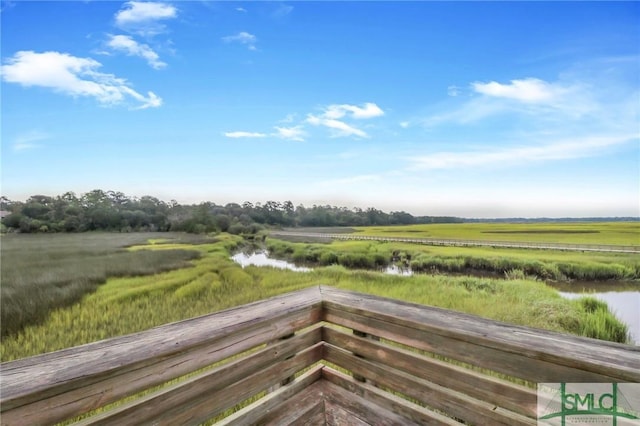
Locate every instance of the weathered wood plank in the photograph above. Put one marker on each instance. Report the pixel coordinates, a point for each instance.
(209, 404)
(84, 399)
(181, 394)
(82, 378)
(369, 411)
(411, 412)
(506, 362)
(305, 407)
(337, 415)
(451, 402)
(52, 387)
(317, 419)
(253, 414)
(600, 360)
(510, 396)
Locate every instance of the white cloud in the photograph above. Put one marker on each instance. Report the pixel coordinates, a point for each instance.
(328, 118)
(136, 11)
(242, 37)
(73, 76)
(241, 9)
(29, 140)
(295, 133)
(453, 91)
(405, 124)
(339, 128)
(132, 48)
(368, 110)
(510, 156)
(532, 98)
(236, 135)
(331, 115)
(526, 90)
(143, 17)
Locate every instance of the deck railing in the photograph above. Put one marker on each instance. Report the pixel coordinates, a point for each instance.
(316, 356)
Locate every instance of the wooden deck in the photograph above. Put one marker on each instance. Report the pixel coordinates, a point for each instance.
(316, 356)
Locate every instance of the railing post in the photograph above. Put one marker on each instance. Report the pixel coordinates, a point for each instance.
(364, 335)
(289, 379)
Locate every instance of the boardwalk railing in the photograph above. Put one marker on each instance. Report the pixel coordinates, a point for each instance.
(608, 248)
(316, 356)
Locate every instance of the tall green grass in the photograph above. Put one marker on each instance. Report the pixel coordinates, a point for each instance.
(41, 273)
(129, 304)
(615, 233)
(543, 264)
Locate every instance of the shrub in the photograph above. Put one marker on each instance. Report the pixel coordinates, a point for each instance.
(356, 260)
(328, 258)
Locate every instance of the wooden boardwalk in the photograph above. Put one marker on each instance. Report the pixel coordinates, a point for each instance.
(319, 356)
(607, 248)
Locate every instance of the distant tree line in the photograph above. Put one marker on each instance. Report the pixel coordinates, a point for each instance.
(100, 210)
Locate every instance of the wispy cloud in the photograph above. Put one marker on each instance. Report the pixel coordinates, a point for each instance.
(131, 47)
(240, 134)
(531, 96)
(527, 90)
(329, 118)
(242, 37)
(28, 140)
(241, 9)
(282, 10)
(332, 114)
(295, 133)
(368, 110)
(532, 121)
(338, 128)
(514, 156)
(453, 91)
(143, 17)
(73, 76)
(470, 112)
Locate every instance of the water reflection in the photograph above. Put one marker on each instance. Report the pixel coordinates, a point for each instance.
(261, 258)
(624, 304)
(398, 270)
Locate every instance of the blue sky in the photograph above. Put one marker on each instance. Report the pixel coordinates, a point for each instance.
(439, 108)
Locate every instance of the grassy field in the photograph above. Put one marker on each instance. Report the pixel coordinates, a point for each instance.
(213, 282)
(616, 233)
(43, 272)
(541, 264)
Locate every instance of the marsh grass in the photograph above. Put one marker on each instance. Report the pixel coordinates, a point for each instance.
(41, 273)
(126, 304)
(599, 323)
(214, 282)
(615, 233)
(541, 264)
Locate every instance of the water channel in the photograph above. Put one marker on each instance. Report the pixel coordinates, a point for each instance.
(623, 300)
